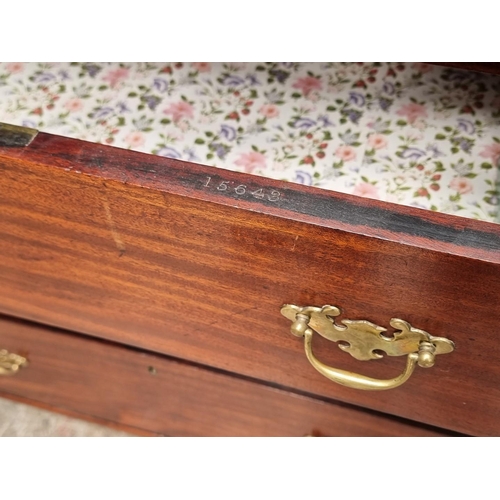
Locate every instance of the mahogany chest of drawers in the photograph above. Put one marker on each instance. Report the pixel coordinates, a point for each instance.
(147, 292)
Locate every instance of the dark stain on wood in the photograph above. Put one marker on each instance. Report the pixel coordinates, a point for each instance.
(16, 137)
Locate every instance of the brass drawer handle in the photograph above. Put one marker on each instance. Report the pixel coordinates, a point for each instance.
(363, 340)
(11, 363)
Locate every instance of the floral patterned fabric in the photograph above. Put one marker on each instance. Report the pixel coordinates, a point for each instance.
(411, 133)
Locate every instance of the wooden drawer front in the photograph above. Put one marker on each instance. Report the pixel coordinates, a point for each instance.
(135, 249)
(153, 393)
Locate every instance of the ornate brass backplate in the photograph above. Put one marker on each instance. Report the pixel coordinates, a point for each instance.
(364, 341)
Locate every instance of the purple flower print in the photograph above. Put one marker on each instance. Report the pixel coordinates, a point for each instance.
(412, 154)
(465, 144)
(122, 107)
(228, 132)
(44, 77)
(433, 148)
(280, 75)
(190, 154)
(101, 112)
(169, 153)
(151, 101)
(325, 121)
(388, 88)
(385, 103)
(91, 69)
(302, 177)
(253, 80)
(303, 123)
(232, 81)
(357, 99)
(466, 126)
(160, 85)
(219, 149)
(352, 115)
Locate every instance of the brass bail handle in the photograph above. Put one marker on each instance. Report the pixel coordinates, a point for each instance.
(364, 341)
(11, 363)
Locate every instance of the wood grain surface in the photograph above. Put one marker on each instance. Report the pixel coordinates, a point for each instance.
(154, 253)
(145, 392)
(483, 67)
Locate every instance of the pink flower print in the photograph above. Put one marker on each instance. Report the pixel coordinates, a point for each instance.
(115, 76)
(269, 110)
(422, 67)
(74, 105)
(366, 190)
(251, 161)
(183, 125)
(412, 111)
(14, 67)
(135, 139)
(179, 110)
(377, 141)
(202, 67)
(346, 153)
(492, 152)
(307, 84)
(461, 184)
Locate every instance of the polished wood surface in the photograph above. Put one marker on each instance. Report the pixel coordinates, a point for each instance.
(148, 392)
(148, 252)
(483, 67)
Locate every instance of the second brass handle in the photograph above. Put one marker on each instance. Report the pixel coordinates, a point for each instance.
(11, 363)
(363, 340)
